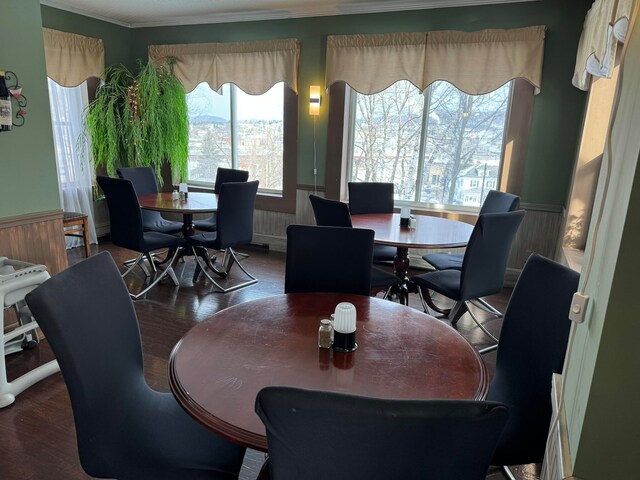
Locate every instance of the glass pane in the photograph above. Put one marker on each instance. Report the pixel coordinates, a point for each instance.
(464, 140)
(386, 138)
(209, 132)
(71, 153)
(260, 136)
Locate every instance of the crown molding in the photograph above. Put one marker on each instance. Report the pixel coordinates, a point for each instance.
(302, 11)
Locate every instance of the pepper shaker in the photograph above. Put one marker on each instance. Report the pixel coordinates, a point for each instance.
(325, 332)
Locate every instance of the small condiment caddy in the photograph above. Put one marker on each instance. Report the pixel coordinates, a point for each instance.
(339, 333)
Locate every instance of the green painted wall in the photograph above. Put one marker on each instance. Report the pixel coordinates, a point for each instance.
(557, 111)
(28, 179)
(602, 389)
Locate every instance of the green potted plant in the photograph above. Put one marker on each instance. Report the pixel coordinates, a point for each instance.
(139, 120)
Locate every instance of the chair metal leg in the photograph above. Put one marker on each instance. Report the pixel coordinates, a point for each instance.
(484, 329)
(232, 259)
(132, 264)
(486, 306)
(167, 271)
(508, 473)
(150, 259)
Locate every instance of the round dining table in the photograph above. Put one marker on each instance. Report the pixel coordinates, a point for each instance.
(430, 232)
(217, 369)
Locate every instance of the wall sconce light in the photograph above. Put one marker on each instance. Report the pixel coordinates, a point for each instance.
(314, 100)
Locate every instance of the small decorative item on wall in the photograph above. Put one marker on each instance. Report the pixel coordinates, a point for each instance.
(11, 100)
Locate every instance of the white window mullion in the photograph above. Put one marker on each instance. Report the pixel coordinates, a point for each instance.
(423, 144)
(234, 127)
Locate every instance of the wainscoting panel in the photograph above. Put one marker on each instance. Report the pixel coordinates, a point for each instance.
(35, 238)
(271, 227)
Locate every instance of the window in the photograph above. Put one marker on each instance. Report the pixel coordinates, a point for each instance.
(439, 147)
(74, 173)
(235, 130)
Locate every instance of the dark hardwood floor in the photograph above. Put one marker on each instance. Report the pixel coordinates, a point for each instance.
(37, 435)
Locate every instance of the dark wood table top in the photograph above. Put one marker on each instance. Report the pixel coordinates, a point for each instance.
(430, 232)
(219, 366)
(196, 202)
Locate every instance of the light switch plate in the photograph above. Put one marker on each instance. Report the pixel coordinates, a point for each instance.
(578, 308)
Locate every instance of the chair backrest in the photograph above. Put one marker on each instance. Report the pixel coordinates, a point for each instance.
(90, 323)
(533, 342)
(330, 213)
(125, 217)
(320, 435)
(236, 203)
(485, 258)
(370, 197)
(328, 259)
(143, 179)
(225, 175)
(500, 202)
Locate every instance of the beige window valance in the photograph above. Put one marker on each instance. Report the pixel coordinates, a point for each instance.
(71, 58)
(253, 66)
(475, 62)
(605, 25)
(372, 63)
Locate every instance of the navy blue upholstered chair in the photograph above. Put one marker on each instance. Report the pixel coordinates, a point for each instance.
(533, 342)
(223, 175)
(144, 183)
(483, 267)
(125, 429)
(495, 202)
(236, 203)
(328, 259)
(373, 197)
(331, 213)
(127, 229)
(319, 435)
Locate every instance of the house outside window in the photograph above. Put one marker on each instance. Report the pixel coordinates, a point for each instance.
(441, 147)
(232, 129)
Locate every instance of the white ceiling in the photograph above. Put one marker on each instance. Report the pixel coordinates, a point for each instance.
(148, 13)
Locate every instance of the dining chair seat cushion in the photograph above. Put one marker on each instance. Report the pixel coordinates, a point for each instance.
(444, 261)
(445, 282)
(383, 253)
(209, 224)
(155, 240)
(383, 279)
(206, 240)
(153, 221)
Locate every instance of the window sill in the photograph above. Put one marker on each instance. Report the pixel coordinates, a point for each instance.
(573, 258)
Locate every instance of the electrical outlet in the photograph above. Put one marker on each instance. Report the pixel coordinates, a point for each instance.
(577, 312)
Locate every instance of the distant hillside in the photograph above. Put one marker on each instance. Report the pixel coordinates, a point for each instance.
(207, 119)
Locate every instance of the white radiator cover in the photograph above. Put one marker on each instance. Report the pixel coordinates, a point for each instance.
(557, 458)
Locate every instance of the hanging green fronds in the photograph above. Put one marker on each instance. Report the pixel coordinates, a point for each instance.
(139, 121)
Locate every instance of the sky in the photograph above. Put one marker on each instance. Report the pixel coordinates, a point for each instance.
(205, 101)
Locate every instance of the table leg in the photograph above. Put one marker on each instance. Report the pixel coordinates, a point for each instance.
(401, 267)
(188, 228)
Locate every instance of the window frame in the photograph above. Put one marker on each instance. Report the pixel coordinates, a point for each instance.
(272, 201)
(511, 174)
